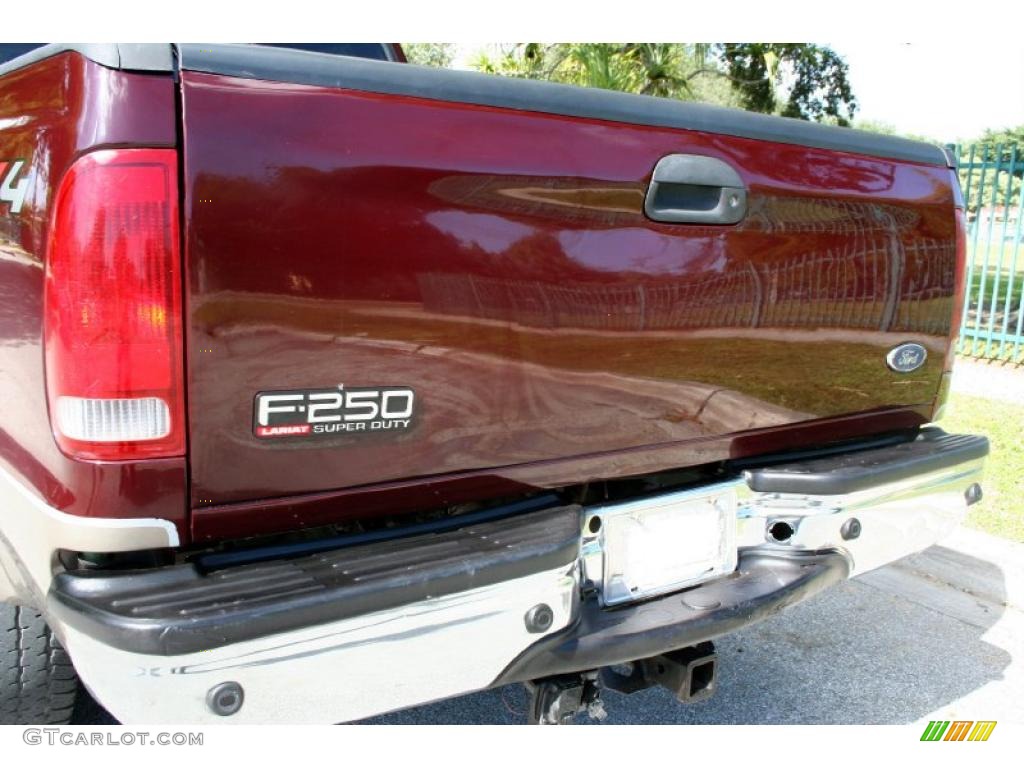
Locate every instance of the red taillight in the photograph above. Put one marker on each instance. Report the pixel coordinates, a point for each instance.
(113, 308)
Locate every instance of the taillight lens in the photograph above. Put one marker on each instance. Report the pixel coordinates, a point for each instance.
(113, 308)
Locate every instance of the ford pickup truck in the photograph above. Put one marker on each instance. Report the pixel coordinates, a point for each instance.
(334, 385)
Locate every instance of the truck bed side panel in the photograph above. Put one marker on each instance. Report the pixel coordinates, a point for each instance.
(51, 112)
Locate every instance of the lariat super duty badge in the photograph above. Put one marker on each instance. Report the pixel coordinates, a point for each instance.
(330, 412)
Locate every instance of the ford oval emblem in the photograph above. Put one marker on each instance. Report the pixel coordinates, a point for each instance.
(906, 358)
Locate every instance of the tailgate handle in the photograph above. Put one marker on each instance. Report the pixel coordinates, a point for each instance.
(695, 189)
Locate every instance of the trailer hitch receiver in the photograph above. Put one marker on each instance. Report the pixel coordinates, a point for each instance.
(690, 673)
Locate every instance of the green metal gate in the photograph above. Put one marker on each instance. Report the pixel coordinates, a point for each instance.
(993, 318)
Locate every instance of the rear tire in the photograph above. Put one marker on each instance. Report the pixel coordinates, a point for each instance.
(38, 684)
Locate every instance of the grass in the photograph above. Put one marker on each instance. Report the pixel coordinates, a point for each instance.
(1001, 512)
(1015, 281)
(998, 252)
(999, 260)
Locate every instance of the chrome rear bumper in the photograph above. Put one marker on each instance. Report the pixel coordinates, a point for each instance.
(336, 672)
(443, 643)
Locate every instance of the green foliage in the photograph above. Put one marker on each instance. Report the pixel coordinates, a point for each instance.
(1001, 512)
(652, 68)
(811, 79)
(994, 173)
(876, 126)
(1007, 136)
(430, 54)
(888, 129)
(816, 77)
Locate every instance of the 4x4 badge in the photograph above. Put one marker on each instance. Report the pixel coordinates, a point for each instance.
(11, 192)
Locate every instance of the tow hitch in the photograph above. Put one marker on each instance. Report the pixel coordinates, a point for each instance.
(690, 673)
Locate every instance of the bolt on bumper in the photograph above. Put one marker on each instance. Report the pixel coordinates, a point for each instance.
(514, 602)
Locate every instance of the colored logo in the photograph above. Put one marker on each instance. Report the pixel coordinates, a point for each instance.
(311, 413)
(906, 357)
(958, 730)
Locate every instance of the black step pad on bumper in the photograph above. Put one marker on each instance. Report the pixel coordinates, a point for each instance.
(179, 610)
(932, 451)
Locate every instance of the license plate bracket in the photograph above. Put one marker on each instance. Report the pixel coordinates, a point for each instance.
(665, 543)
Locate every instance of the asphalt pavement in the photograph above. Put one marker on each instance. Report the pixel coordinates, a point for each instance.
(939, 635)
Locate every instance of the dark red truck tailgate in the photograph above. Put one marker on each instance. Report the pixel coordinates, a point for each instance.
(471, 256)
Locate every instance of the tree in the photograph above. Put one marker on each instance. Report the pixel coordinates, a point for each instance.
(1007, 137)
(657, 69)
(812, 78)
(1001, 152)
(430, 54)
(816, 78)
(888, 129)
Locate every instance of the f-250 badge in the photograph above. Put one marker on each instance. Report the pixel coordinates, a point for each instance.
(12, 189)
(312, 413)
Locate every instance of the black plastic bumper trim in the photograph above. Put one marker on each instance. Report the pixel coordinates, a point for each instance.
(932, 451)
(763, 584)
(215, 561)
(178, 610)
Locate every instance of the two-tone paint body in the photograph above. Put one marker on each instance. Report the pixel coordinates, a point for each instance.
(497, 261)
(380, 289)
(52, 113)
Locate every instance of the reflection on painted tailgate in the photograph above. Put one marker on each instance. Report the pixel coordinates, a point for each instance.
(500, 264)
